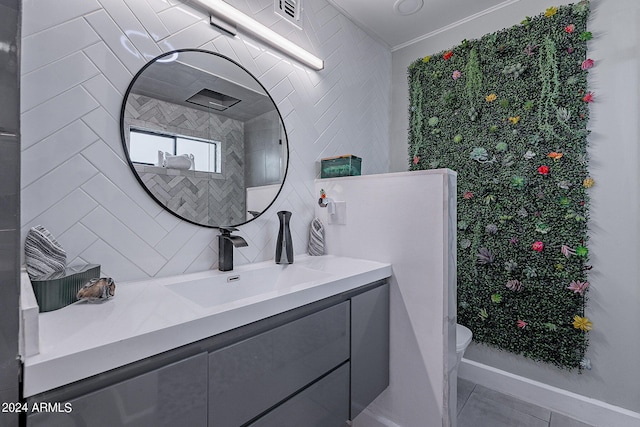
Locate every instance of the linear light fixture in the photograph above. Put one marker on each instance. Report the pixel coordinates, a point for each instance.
(232, 15)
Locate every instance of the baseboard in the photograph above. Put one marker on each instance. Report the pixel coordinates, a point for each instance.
(582, 408)
(368, 418)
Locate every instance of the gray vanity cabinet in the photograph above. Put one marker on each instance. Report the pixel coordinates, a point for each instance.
(314, 366)
(254, 375)
(369, 347)
(173, 395)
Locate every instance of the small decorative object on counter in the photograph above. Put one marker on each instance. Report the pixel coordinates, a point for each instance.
(59, 289)
(42, 252)
(316, 238)
(284, 245)
(346, 165)
(97, 289)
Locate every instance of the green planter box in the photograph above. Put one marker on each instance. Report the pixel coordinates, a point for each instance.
(59, 289)
(347, 165)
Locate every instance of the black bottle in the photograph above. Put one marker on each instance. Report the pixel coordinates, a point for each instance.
(284, 246)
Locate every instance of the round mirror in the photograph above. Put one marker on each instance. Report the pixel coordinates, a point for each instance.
(204, 138)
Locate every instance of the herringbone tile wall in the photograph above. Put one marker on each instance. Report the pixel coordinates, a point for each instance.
(78, 57)
(186, 193)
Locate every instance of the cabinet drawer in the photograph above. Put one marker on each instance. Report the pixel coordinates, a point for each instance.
(323, 404)
(174, 395)
(251, 376)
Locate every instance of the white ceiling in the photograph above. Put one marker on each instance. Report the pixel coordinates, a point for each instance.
(378, 18)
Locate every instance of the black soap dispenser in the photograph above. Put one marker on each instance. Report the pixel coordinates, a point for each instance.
(284, 246)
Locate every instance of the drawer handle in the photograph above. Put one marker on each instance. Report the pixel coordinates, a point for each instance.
(235, 278)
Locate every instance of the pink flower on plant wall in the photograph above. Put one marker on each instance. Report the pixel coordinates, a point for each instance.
(588, 97)
(521, 324)
(578, 287)
(569, 28)
(447, 55)
(416, 159)
(537, 246)
(543, 170)
(456, 75)
(567, 251)
(587, 64)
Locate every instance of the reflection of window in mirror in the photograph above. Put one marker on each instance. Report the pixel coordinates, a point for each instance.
(144, 147)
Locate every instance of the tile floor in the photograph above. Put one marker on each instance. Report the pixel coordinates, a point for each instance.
(479, 406)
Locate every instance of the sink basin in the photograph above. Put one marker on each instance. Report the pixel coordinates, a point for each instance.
(239, 285)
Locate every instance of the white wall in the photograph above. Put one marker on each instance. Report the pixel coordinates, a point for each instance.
(78, 57)
(407, 219)
(614, 298)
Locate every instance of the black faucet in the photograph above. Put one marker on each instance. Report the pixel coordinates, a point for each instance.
(226, 243)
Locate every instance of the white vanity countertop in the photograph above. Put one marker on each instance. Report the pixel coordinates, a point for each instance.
(147, 318)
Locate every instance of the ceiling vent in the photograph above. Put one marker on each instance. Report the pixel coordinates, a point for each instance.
(212, 99)
(289, 10)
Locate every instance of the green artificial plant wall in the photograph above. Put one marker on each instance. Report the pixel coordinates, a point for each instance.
(508, 112)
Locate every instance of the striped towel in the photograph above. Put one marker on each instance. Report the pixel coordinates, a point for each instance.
(42, 253)
(316, 238)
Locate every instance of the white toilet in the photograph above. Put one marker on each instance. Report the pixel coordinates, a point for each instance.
(463, 338)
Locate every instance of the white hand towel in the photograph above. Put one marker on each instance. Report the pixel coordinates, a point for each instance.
(182, 161)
